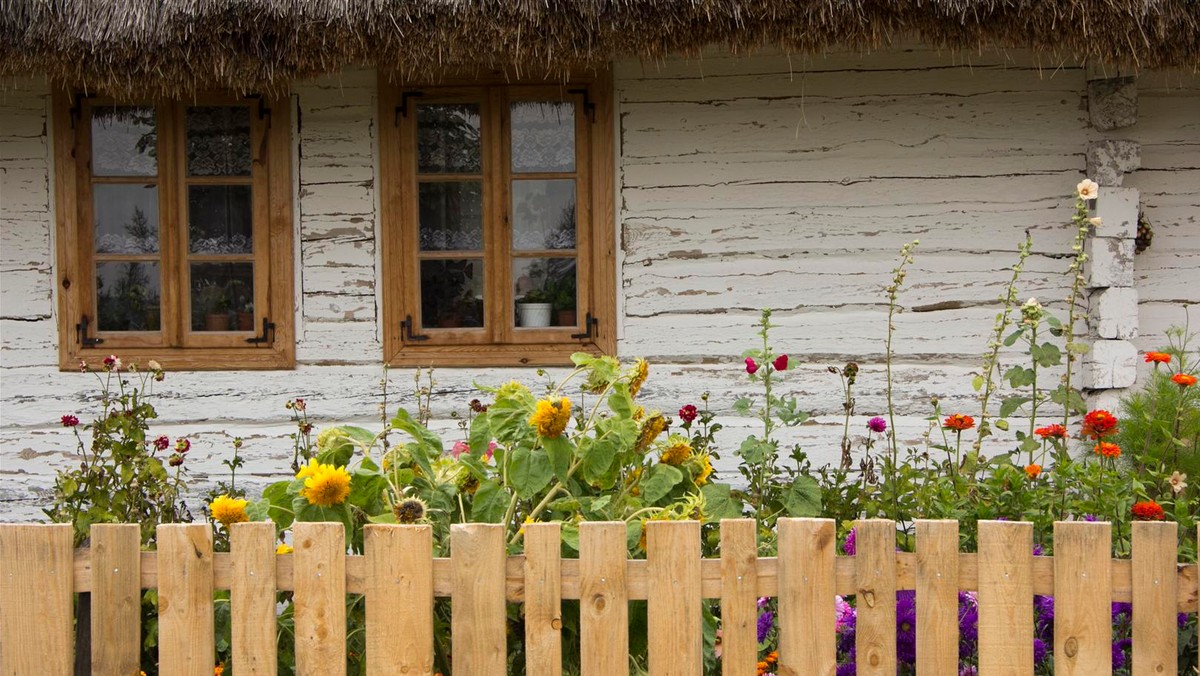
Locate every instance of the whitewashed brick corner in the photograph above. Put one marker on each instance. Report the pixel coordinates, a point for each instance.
(1108, 400)
(1113, 313)
(1109, 262)
(1117, 209)
(1113, 103)
(1109, 160)
(1110, 364)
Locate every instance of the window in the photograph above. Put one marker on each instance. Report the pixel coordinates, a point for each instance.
(174, 231)
(498, 223)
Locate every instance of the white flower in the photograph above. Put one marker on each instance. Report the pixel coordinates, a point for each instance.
(1096, 221)
(154, 366)
(1178, 482)
(1087, 189)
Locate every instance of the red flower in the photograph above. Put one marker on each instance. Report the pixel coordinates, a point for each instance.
(958, 422)
(1051, 431)
(1148, 511)
(69, 421)
(751, 367)
(162, 442)
(688, 413)
(1184, 379)
(1033, 470)
(1158, 358)
(1099, 423)
(182, 445)
(780, 362)
(112, 362)
(1108, 450)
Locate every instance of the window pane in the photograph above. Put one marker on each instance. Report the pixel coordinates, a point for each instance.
(218, 141)
(544, 289)
(220, 219)
(126, 218)
(127, 296)
(543, 214)
(448, 138)
(543, 136)
(124, 141)
(451, 216)
(222, 296)
(451, 293)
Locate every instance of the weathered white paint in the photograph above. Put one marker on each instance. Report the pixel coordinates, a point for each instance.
(743, 183)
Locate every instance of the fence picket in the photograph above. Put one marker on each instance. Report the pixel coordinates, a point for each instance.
(36, 584)
(399, 598)
(1006, 598)
(1082, 598)
(807, 640)
(603, 604)
(320, 594)
(1155, 585)
(739, 597)
(252, 587)
(875, 583)
(185, 599)
(116, 598)
(477, 624)
(543, 600)
(673, 603)
(937, 598)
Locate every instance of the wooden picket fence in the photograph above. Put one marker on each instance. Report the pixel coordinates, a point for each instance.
(40, 572)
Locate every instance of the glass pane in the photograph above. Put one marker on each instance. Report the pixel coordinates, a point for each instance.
(543, 214)
(543, 136)
(126, 218)
(127, 296)
(222, 296)
(451, 216)
(451, 293)
(220, 220)
(218, 141)
(124, 141)
(544, 289)
(448, 138)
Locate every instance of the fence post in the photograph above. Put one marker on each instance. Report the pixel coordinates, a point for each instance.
(37, 567)
(1006, 598)
(875, 574)
(603, 599)
(478, 617)
(807, 635)
(320, 596)
(673, 598)
(116, 598)
(1155, 587)
(937, 598)
(185, 599)
(252, 588)
(1083, 598)
(739, 597)
(543, 599)
(399, 590)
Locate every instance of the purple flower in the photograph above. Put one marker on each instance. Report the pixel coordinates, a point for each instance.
(1118, 655)
(1182, 620)
(968, 624)
(765, 622)
(968, 670)
(906, 626)
(852, 537)
(1038, 550)
(1089, 518)
(877, 424)
(1040, 651)
(1120, 608)
(849, 669)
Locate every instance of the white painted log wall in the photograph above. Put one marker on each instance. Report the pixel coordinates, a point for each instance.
(743, 183)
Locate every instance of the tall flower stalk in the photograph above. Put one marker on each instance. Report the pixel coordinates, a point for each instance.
(893, 291)
(1086, 190)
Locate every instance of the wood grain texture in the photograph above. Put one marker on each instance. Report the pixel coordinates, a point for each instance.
(185, 600)
(399, 591)
(543, 599)
(739, 597)
(673, 607)
(937, 598)
(603, 604)
(806, 597)
(320, 596)
(116, 598)
(1155, 633)
(252, 584)
(36, 623)
(1006, 598)
(477, 625)
(875, 635)
(1082, 598)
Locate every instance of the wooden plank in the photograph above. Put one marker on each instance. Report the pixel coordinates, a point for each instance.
(252, 599)
(185, 600)
(399, 591)
(739, 597)
(603, 604)
(673, 609)
(116, 598)
(36, 622)
(543, 600)
(1155, 637)
(937, 598)
(807, 637)
(320, 596)
(875, 636)
(1006, 598)
(1082, 598)
(477, 625)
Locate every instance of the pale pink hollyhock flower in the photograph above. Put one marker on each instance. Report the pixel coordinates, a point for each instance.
(459, 448)
(1087, 189)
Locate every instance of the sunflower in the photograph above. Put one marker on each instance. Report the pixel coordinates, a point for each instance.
(653, 427)
(641, 369)
(551, 417)
(326, 486)
(410, 510)
(309, 469)
(678, 450)
(228, 510)
(704, 463)
(283, 548)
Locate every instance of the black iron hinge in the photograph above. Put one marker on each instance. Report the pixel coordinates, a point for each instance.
(589, 106)
(268, 329)
(402, 109)
(82, 330)
(409, 335)
(591, 327)
(264, 113)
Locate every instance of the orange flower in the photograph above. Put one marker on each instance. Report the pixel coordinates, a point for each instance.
(1033, 470)
(1055, 431)
(1108, 450)
(1184, 379)
(1148, 511)
(1099, 423)
(1158, 358)
(959, 422)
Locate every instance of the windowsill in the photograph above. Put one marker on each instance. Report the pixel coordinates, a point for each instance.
(450, 356)
(192, 359)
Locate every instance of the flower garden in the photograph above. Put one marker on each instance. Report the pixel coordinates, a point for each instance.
(580, 448)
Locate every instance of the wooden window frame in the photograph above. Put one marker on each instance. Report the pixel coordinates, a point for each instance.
(499, 344)
(174, 346)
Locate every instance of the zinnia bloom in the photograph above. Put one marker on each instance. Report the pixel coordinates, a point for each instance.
(641, 370)
(69, 421)
(551, 417)
(182, 445)
(877, 424)
(1183, 379)
(112, 362)
(1087, 189)
(780, 363)
(958, 422)
(327, 486)
(678, 450)
(1158, 358)
(1051, 432)
(1108, 450)
(751, 367)
(1033, 470)
(1099, 423)
(1177, 482)
(228, 510)
(162, 443)
(688, 413)
(1148, 511)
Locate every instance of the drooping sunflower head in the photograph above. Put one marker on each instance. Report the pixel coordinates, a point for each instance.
(227, 510)
(326, 486)
(678, 450)
(550, 417)
(653, 427)
(703, 465)
(641, 370)
(410, 510)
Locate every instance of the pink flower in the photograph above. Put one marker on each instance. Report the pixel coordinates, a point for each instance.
(82, 366)
(112, 362)
(182, 445)
(688, 413)
(877, 424)
(459, 448)
(491, 449)
(162, 442)
(751, 367)
(69, 421)
(780, 363)
(299, 405)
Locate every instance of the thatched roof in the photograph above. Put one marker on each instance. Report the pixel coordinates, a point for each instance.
(178, 45)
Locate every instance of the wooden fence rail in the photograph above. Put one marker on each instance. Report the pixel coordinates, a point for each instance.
(40, 573)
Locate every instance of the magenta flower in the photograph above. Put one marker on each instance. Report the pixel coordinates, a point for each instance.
(877, 424)
(112, 362)
(182, 445)
(69, 421)
(688, 413)
(780, 363)
(751, 367)
(162, 442)
(459, 448)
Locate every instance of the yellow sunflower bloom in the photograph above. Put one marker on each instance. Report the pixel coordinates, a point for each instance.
(705, 464)
(309, 469)
(551, 417)
(228, 510)
(283, 549)
(653, 427)
(641, 369)
(678, 450)
(326, 486)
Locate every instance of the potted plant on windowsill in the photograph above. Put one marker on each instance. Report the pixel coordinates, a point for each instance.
(213, 301)
(534, 308)
(562, 296)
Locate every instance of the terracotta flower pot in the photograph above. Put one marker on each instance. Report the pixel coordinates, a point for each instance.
(216, 322)
(566, 318)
